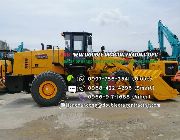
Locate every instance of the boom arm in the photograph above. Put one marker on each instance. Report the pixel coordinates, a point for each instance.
(172, 39)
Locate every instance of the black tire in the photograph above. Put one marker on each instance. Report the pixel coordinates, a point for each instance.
(176, 85)
(3, 91)
(57, 79)
(131, 92)
(27, 89)
(27, 83)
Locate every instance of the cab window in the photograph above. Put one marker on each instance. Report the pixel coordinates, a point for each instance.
(78, 43)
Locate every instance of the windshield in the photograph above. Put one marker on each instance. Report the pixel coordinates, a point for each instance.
(78, 42)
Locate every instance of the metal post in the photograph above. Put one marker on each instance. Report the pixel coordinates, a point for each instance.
(53, 54)
(58, 54)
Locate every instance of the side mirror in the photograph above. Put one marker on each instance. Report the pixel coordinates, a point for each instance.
(89, 40)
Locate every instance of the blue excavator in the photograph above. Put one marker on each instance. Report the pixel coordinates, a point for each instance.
(164, 31)
(20, 48)
(172, 39)
(150, 46)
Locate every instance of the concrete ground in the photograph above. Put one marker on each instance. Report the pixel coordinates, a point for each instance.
(22, 119)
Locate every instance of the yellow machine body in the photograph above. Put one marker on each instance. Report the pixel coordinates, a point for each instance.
(36, 62)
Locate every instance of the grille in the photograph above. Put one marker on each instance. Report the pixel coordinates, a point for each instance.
(171, 68)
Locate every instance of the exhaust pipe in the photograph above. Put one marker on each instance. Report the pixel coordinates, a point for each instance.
(42, 46)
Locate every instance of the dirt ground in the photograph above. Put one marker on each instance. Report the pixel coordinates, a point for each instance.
(22, 119)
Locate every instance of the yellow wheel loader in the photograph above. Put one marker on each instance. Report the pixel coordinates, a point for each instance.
(49, 73)
(6, 61)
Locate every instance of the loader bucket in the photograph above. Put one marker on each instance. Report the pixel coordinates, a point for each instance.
(158, 89)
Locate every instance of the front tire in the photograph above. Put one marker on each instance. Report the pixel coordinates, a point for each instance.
(125, 94)
(48, 89)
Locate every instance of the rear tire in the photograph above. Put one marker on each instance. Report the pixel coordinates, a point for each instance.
(39, 86)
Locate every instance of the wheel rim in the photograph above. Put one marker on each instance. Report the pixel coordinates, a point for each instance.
(121, 91)
(48, 90)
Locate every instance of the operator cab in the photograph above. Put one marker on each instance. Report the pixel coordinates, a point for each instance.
(76, 45)
(75, 60)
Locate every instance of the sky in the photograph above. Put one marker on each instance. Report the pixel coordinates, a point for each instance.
(116, 24)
